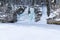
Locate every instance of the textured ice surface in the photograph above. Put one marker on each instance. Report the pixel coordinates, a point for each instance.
(44, 15)
(25, 18)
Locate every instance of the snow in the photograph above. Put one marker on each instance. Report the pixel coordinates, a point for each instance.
(29, 32)
(54, 13)
(57, 19)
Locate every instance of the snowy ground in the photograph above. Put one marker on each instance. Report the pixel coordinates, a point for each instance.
(29, 32)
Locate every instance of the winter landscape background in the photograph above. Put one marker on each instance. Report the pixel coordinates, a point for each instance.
(30, 31)
(27, 29)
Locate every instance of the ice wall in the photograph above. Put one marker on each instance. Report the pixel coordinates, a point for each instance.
(30, 18)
